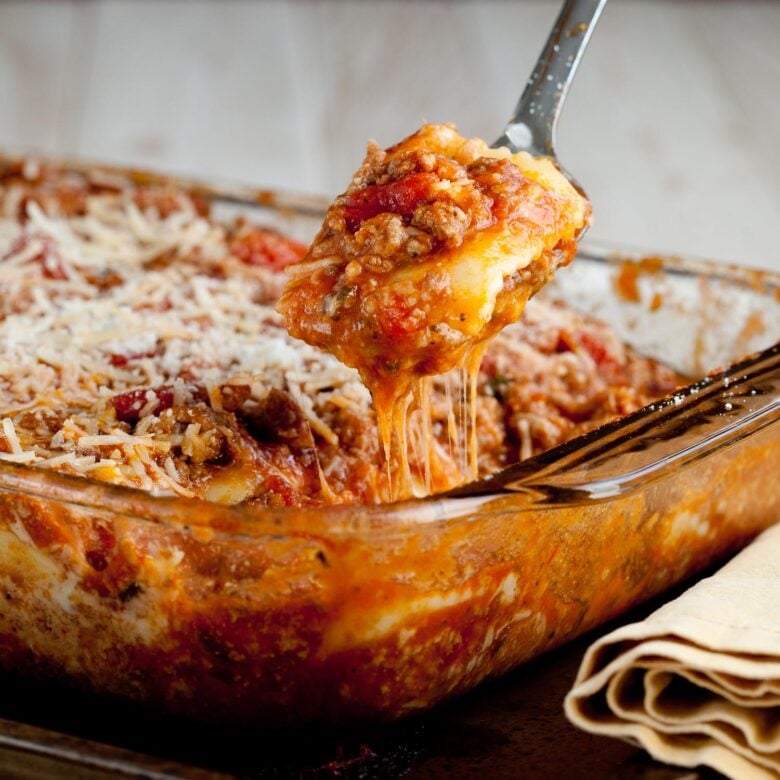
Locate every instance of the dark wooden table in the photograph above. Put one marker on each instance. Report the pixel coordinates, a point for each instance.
(513, 727)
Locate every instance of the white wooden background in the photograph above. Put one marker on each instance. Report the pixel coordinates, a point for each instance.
(672, 125)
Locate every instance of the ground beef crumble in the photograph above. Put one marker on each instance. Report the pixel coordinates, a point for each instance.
(406, 206)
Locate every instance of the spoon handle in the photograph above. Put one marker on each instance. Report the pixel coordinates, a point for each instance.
(532, 126)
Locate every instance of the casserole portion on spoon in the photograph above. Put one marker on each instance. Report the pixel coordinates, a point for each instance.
(436, 245)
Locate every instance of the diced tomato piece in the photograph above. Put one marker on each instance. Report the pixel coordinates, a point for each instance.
(399, 318)
(281, 490)
(120, 360)
(266, 248)
(597, 347)
(128, 405)
(397, 197)
(594, 346)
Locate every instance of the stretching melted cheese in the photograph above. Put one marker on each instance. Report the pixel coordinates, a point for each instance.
(437, 244)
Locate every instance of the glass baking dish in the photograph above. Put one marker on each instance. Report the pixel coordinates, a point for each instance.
(342, 613)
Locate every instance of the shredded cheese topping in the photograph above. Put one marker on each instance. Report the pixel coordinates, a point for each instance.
(121, 298)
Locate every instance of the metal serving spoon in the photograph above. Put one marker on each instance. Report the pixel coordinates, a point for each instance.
(533, 124)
